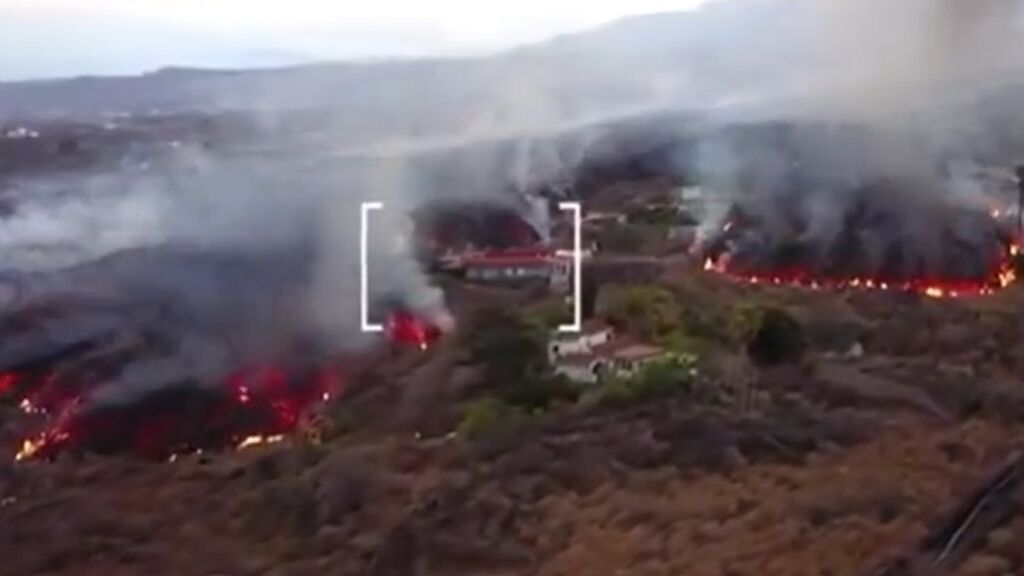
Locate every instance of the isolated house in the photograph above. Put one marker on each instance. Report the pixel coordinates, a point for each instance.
(594, 334)
(629, 359)
(596, 353)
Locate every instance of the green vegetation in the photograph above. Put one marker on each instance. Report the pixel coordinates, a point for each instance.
(704, 325)
(519, 384)
(743, 322)
(671, 376)
(540, 394)
(488, 415)
(512, 351)
(550, 314)
(648, 312)
(658, 316)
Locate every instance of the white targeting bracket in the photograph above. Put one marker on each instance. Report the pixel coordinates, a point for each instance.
(364, 278)
(577, 263)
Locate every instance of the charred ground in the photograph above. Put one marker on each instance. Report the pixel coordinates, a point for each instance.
(855, 451)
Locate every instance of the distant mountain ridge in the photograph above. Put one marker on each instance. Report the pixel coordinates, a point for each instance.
(627, 64)
(727, 54)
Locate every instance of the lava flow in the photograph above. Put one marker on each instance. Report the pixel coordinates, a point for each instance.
(249, 408)
(970, 254)
(407, 330)
(1001, 277)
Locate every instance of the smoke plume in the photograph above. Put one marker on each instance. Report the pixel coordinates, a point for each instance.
(886, 144)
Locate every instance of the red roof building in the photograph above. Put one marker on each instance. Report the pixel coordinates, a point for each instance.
(512, 266)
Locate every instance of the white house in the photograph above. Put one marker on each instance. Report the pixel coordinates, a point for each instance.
(596, 353)
(630, 359)
(594, 334)
(581, 368)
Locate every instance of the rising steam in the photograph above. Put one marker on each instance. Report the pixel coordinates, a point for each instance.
(887, 146)
(255, 246)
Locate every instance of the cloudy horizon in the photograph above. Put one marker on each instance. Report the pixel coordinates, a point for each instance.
(61, 38)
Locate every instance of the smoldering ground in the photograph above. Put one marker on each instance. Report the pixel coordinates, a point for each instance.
(888, 148)
(254, 250)
(255, 257)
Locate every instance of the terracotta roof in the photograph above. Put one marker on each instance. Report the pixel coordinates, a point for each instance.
(638, 352)
(627, 349)
(609, 349)
(629, 353)
(578, 360)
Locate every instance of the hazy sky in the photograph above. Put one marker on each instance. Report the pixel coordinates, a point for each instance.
(45, 38)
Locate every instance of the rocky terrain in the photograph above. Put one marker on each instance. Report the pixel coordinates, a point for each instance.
(843, 464)
(797, 431)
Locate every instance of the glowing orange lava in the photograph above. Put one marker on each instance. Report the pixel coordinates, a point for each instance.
(405, 329)
(30, 447)
(251, 407)
(1004, 275)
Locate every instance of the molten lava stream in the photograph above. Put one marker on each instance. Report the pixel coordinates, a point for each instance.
(251, 407)
(1003, 276)
(407, 330)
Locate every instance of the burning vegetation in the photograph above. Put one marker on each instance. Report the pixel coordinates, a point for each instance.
(883, 239)
(248, 408)
(90, 396)
(405, 329)
(457, 225)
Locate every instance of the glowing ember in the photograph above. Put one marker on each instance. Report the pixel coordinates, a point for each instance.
(407, 330)
(1002, 277)
(7, 383)
(28, 407)
(45, 442)
(258, 440)
(251, 407)
(29, 448)
(52, 394)
(1001, 273)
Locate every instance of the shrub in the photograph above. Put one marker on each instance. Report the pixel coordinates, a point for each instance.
(779, 339)
(510, 349)
(488, 415)
(648, 312)
(658, 380)
(681, 342)
(541, 393)
(551, 313)
(743, 322)
(705, 325)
